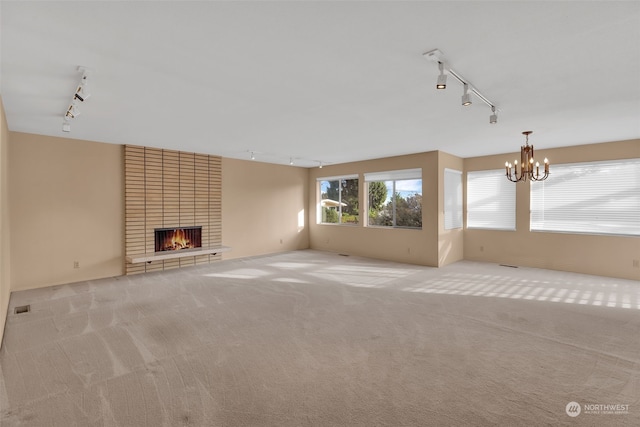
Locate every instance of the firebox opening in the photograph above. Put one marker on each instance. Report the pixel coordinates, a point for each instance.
(176, 239)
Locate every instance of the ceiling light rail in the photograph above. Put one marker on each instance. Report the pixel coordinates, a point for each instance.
(291, 160)
(80, 95)
(436, 55)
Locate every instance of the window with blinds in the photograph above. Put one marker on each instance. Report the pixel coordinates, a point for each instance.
(491, 201)
(452, 199)
(595, 198)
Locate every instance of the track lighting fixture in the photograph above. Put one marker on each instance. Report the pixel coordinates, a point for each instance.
(279, 158)
(81, 94)
(466, 97)
(436, 56)
(72, 112)
(493, 118)
(442, 78)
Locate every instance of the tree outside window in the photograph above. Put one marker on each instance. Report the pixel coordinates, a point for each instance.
(339, 201)
(395, 203)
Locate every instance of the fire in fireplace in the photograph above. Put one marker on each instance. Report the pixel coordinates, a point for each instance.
(175, 239)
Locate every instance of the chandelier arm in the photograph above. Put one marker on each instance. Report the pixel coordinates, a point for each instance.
(545, 176)
(514, 177)
(521, 178)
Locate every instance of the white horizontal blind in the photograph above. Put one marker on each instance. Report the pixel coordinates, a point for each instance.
(595, 197)
(393, 175)
(336, 178)
(452, 199)
(491, 200)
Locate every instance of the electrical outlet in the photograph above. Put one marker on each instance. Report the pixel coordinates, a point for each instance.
(636, 263)
(76, 264)
(280, 241)
(481, 248)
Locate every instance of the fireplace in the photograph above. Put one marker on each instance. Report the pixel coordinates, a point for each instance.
(178, 239)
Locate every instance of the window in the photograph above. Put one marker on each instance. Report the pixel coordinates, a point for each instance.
(491, 200)
(339, 200)
(395, 198)
(596, 197)
(452, 199)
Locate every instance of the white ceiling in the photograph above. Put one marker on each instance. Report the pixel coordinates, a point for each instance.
(324, 81)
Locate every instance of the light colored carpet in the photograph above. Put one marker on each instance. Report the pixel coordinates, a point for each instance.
(318, 339)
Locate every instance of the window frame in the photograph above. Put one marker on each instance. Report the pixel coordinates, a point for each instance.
(339, 178)
(394, 177)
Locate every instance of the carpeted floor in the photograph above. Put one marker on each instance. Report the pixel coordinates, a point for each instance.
(310, 338)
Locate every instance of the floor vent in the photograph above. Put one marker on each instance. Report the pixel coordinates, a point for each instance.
(22, 309)
(507, 265)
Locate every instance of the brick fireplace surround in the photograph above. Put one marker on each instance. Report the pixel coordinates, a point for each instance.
(165, 189)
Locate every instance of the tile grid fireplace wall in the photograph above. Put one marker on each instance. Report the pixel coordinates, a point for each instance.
(166, 188)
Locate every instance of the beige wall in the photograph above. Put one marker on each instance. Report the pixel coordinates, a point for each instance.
(5, 260)
(263, 208)
(590, 254)
(403, 245)
(66, 204)
(59, 184)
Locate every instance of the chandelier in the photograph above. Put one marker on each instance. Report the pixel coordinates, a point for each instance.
(529, 168)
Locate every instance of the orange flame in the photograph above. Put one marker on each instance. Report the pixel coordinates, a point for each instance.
(177, 240)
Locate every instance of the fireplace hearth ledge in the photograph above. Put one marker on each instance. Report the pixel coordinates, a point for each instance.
(159, 256)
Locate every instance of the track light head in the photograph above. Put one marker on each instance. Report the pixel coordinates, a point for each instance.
(443, 65)
(252, 156)
(72, 112)
(493, 118)
(82, 92)
(442, 78)
(466, 96)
